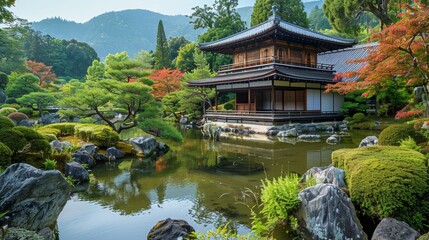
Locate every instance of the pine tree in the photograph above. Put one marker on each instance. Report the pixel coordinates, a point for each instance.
(162, 53)
(289, 10)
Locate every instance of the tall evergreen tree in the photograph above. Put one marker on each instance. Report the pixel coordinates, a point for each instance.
(162, 53)
(289, 10)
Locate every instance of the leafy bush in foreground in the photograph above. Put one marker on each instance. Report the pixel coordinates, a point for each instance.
(5, 155)
(387, 181)
(13, 139)
(6, 123)
(392, 135)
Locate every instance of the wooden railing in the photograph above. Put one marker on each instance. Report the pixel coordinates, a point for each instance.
(240, 115)
(271, 60)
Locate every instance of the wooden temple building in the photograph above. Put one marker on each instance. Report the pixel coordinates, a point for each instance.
(275, 75)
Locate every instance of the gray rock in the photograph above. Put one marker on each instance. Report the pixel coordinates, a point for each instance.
(114, 154)
(330, 129)
(50, 118)
(3, 96)
(84, 158)
(146, 145)
(33, 198)
(327, 213)
(331, 175)
(162, 148)
(288, 133)
(392, 229)
(89, 148)
(100, 158)
(59, 146)
(184, 120)
(272, 132)
(309, 138)
(368, 141)
(25, 123)
(76, 171)
(170, 229)
(333, 139)
(21, 234)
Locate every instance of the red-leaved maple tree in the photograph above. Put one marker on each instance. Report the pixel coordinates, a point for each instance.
(165, 81)
(403, 51)
(44, 72)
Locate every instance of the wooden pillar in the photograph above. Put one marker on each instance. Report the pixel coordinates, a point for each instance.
(273, 97)
(216, 100)
(249, 105)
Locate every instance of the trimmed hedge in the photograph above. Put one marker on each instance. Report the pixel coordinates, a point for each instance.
(6, 123)
(13, 139)
(66, 129)
(393, 134)
(26, 111)
(5, 111)
(50, 137)
(29, 133)
(387, 181)
(17, 116)
(358, 117)
(5, 155)
(41, 145)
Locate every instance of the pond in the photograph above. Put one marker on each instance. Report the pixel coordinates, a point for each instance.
(128, 198)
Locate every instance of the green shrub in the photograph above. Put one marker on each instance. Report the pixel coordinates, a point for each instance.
(49, 164)
(66, 129)
(358, 117)
(48, 130)
(5, 155)
(50, 137)
(393, 134)
(223, 233)
(6, 123)
(11, 101)
(15, 106)
(5, 111)
(410, 144)
(13, 139)
(159, 128)
(228, 106)
(109, 115)
(86, 120)
(279, 200)
(26, 111)
(100, 135)
(41, 145)
(17, 116)
(35, 114)
(387, 181)
(29, 133)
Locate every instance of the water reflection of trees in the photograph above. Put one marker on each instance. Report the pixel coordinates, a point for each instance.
(128, 190)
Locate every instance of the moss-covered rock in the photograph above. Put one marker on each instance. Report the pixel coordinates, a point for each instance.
(386, 181)
(5, 123)
(392, 135)
(5, 155)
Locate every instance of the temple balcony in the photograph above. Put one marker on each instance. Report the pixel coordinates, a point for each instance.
(264, 62)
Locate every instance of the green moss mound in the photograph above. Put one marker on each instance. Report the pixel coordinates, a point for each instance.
(5, 155)
(29, 133)
(392, 135)
(26, 111)
(6, 123)
(7, 110)
(358, 117)
(65, 129)
(13, 139)
(387, 181)
(41, 145)
(50, 137)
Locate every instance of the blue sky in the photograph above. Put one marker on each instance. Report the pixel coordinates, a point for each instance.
(84, 10)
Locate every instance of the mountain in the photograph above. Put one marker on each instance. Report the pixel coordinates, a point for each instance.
(130, 30)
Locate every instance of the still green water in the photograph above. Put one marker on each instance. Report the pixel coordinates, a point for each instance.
(129, 197)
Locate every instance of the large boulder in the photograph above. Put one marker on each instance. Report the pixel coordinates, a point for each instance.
(76, 171)
(163, 148)
(327, 213)
(146, 145)
(59, 146)
(392, 229)
(25, 123)
(331, 175)
(114, 154)
(89, 148)
(368, 141)
(21, 234)
(101, 158)
(170, 229)
(309, 138)
(84, 158)
(288, 133)
(333, 139)
(50, 118)
(33, 198)
(184, 120)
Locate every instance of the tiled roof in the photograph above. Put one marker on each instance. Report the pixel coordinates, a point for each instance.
(342, 59)
(276, 23)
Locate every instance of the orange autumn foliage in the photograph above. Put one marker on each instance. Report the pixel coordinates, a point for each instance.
(403, 51)
(44, 72)
(165, 81)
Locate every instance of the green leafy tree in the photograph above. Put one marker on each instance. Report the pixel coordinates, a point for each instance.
(5, 14)
(22, 85)
(96, 71)
(11, 52)
(4, 80)
(289, 10)
(146, 59)
(162, 53)
(122, 68)
(185, 60)
(318, 20)
(174, 44)
(220, 20)
(40, 100)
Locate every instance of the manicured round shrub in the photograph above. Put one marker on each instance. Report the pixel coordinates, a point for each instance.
(393, 134)
(387, 181)
(358, 117)
(17, 116)
(5, 111)
(6, 123)
(41, 145)
(228, 106)
(48, 130)
(11, 100)
(66, 129)
(13, 139)
(29, 133)
(49, 137)
(5, 155)
(26, 111)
